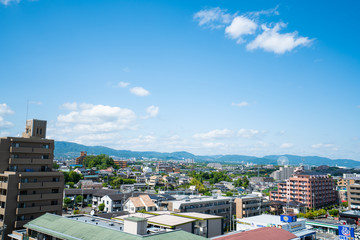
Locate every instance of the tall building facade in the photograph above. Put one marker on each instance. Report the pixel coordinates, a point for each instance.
(80, 160)
(283, 173)
(28, 186)
(353, 193)
(312, 189)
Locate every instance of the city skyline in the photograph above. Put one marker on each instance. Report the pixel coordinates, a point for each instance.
(259, 78)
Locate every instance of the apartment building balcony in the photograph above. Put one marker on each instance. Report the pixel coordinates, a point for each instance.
(51, 208)
(49, 196)
(43, 196)
(31, 185)
(37, 209)
(35, 185)
(30, 197)
(52, 184)
(254, 205)
(3, 185)
(23, 161)
(28, 210)
(42, 150)
(2, 198)
(20, 224)
(21, 149)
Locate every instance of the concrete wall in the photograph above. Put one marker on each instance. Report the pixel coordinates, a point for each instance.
(214, 227)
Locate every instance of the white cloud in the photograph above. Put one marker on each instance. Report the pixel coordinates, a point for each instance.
(239, 27)
(152, 111)
(248, 133)
(325, 146)
(225, 133)
(240, 104)
(262, 144)
(4, 111)
(139, 91)
(286, 145)
(122, 84)
(213, 145)
(69, 106)
(272, 41)
(7, 2)
(213, 18)
(90, 123)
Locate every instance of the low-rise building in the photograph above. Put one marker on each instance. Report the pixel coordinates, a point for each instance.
(216, 205)
(251, 205)
(87, 227)
(204, 225)
(142, 202)
(287, 222)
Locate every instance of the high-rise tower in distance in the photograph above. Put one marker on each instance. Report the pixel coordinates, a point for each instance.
(28, 185)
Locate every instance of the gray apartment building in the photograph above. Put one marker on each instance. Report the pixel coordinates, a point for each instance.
(28, 186)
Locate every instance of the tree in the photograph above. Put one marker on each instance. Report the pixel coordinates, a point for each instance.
(67, 201)
(55, 165)
(101, 161)
(334, 212)
(74, 177)
(101, 207)
(79, 199)
(245, 182)
(228, 194)
(344, 204)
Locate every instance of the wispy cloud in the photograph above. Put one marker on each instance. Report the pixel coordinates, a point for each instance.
(324, 145)
(7, 2)
(5, 110)
(224, 133)
(271, 40)
(139, 91)
(240, 104)
(152, 111)
(267, 12)
(213, 17)
(122, 84)
(69, 106)
(286, 145)
(248, 133)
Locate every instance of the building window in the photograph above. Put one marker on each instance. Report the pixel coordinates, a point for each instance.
(55, 179)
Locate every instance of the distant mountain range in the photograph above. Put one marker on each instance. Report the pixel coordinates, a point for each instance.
(68, 150)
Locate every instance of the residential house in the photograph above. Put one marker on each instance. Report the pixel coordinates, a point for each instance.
(142, 202)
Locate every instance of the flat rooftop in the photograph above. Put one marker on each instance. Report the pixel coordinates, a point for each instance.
(264, 219)
(199, 216)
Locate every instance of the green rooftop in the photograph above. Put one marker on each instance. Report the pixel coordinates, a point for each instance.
(69, 229)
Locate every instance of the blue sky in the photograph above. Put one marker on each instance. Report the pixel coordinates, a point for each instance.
(208, 77)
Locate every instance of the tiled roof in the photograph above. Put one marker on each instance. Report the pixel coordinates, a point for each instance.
(147, 200)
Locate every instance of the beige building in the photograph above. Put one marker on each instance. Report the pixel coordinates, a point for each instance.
(251, 205)
(28, 186)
